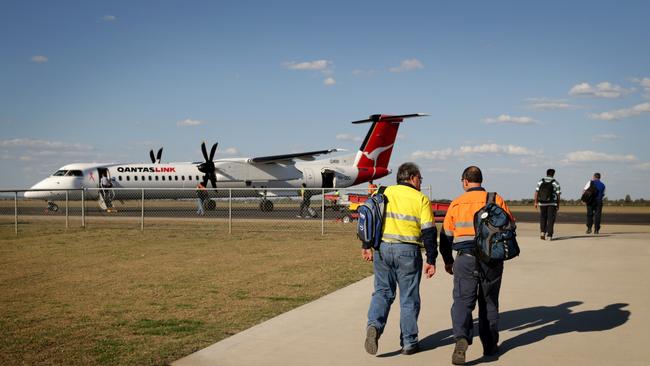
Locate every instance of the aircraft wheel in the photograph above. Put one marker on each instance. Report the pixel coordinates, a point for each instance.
(210, 205)
(347, 219)
(266, 206)
(51, 206)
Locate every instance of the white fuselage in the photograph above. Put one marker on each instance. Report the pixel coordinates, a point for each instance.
(179, 180)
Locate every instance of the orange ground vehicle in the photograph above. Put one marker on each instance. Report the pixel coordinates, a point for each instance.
(348, 204)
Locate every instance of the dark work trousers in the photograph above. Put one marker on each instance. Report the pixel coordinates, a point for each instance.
(547, 219)
(472, 282)
(594, 211)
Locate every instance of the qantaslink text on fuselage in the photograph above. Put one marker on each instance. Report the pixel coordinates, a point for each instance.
(146, 169)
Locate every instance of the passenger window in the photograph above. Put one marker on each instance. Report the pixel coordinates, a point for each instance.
(143, 178)
(189, 177)
(149, 177)
(182, 177)
(170, 177)
(119, 178)
(156, 177)
(176, 177)
(197, 177)
(163, 177)
(128, 178)
(135, 177)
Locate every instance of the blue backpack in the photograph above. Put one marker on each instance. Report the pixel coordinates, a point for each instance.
(496, 239)
(371, 219)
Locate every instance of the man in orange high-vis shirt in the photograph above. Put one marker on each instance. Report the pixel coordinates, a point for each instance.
(473, 279)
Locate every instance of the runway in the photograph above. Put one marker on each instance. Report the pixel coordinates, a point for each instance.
(290, 213)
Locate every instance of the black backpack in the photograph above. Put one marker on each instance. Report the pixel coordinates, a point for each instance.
(590, 194)
(546, 192)
(496, 237)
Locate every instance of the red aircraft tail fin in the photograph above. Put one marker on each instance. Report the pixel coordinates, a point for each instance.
(377, 147)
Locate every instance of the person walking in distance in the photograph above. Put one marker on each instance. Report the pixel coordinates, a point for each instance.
(201, 196)
(408, 227)
(547, 198)
(595, 203)
(474, 280)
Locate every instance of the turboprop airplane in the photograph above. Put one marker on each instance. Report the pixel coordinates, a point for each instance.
(262, 173)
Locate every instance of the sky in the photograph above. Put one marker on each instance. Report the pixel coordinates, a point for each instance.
(513, 87)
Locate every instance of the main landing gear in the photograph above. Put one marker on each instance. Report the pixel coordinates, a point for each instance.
(266, 205)
(53, 207)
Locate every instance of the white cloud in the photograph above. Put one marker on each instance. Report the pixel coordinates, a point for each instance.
(109, 18)
(433, 155)
(42, 145)
(642, 166)
(408, 65)
(445, 154)
(348, 137)
(645, 84)
(622, 113)
(228, 151)
(329, 81)
(588, 156)
(600, 90)
(189, 122)
(545, 104)
(605, 137)
(495, 149)
(39, 59)
(504, 118)
(318, 65)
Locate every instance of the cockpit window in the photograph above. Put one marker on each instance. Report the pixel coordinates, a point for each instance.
(59, 173)
(74, 173)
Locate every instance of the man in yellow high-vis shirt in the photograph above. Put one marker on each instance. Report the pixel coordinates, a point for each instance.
(409, 225)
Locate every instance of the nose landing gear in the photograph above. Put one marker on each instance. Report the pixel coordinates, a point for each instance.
(53, 207)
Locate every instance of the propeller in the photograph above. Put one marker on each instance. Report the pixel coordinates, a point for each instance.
(208, 167)
(156, 159)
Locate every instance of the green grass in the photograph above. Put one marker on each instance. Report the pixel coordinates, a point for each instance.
(106, 296)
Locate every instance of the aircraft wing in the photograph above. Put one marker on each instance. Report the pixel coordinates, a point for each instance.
(310, 155)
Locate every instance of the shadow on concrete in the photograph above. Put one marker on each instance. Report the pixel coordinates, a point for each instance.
(547, 321)
(580, 236)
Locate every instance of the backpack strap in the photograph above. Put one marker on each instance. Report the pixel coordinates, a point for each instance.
(491, 198)
(380, 190)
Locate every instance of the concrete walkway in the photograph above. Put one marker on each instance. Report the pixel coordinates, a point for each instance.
(578, 300)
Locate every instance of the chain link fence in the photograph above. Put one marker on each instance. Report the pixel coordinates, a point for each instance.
(222, 210)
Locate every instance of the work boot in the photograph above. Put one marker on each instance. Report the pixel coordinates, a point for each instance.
(588, 231)
(542, 236)
(458, 357)
(372, 337)
(411, 350)
(596, 232)
(549, 237)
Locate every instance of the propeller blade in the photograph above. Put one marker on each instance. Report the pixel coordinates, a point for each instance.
(204, 151)
(159, 155)
(153, 159)
(213, 180)
(213, 150)
(205, 180)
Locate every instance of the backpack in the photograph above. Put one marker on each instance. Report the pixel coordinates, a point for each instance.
(371, 219)
(496, 239)
(546, 192)
(590, 194)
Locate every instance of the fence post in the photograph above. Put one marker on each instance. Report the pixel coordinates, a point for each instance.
(142, 212)
(83, 208)
(67, 217)
(16, 212)
(230, 211)
(322, 213)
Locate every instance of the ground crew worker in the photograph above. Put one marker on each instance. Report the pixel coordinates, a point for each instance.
(473, 279)
(201, 196)
(305, 194)
(409, 226)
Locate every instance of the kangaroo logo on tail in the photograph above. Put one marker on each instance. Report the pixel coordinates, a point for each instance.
(375, 151)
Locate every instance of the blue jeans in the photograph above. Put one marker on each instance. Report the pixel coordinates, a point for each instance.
(401, 265)
(199, 206)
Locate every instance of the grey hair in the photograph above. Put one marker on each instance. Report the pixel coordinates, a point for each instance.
(406, 171)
